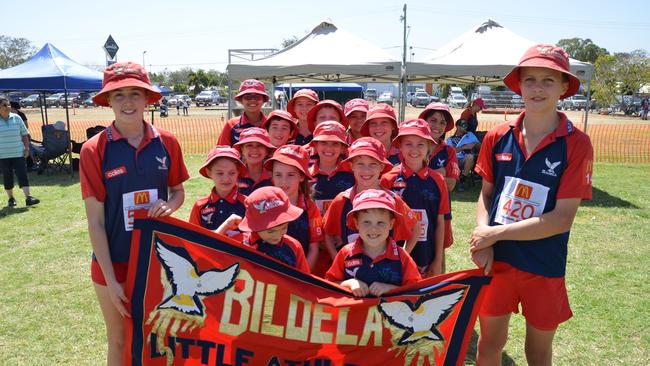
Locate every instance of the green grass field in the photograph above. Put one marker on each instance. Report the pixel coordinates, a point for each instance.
(49, 315)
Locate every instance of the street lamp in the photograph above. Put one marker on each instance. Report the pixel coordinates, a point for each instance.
(143, 65)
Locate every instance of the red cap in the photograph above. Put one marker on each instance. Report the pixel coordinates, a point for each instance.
(221, 151)
(294, 155)
(380, 110)
(329, 131)
(254, 134)
(302, 93)
(284, 115)
(311, 116)
(252, 86)
(440, 107)
(548, 56)
(356, 104)
(123, 75)
(371, 198)
(267, 207)
(414, 127)
(479, 102)
(368, 146)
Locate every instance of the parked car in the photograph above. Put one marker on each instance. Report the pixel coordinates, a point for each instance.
(174, 100)
(89, 102)
(457, 100)
(53, 100)
(207, 98)
(385, 97)
(420, 99)
(33, 100)
(576, 102)
(370, 94)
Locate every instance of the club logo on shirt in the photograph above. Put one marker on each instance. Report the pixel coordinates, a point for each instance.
(504, 157)
(141, 198)
(115, 172)
(356, 262)
(441, 162)
(163, 163)
(551, 168)
(352, 272)
(265, 205)
(207, 218)
(524, 191)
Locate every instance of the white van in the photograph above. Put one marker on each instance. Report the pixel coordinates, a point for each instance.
(455, 90)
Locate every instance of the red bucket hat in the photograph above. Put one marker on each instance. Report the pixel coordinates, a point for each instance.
(368, 146)
(123, 75)
(222, 152)
(329, 131)
(414, 127)
(548, 56)
(356, 104)
(380, 110)
(311, 116)
(479, 102)
(254, 134)
(267, 207)
(294, 155)
(283, 115)
(252, 86)
(302, 93)
(371, 198)
(440, 107)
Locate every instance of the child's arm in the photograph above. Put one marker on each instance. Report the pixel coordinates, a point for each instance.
(230, 224)
(436, 266)
(484, 258)
(331, 243)
(313, 254)
(358, 288)
(415, 234)
(380, 288)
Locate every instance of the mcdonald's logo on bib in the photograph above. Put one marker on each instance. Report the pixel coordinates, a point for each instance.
(141, 198)
(523, 191)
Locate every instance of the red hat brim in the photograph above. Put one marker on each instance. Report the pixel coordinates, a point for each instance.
(512, 79)
(264, 222)
(101, 98)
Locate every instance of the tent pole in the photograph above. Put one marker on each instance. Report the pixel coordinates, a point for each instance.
(229, 97)
(41, 102)
(402, 97)
(67, 118)
(588, 106)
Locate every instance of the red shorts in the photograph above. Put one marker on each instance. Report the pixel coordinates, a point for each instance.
(97, 275)
(544, 300)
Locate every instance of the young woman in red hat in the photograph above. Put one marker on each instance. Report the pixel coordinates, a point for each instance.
(131, 165)
(255, 147)
(299, 106)
(252, 96)
(536, 171)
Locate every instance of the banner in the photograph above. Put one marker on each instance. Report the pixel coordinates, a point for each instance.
(199, 298)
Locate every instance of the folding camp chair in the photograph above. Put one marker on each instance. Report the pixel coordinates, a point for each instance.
(52, 153)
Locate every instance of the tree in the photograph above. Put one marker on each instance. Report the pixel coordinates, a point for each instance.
(15, 51)
(289, 41)
(620, 74)
(582, 49)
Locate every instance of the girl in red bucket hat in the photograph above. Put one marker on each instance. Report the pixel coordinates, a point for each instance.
(470, 114)
(381, 123)
(268, 215)
(424, 191)
(326, 110)
(536, 171)
(356, 111)
(224, 167)
(252, 96)
(130, 165)
(368, 265)
(255, 147)
(290, 172)
(299, 106)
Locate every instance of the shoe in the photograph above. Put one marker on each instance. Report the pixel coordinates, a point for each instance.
(12, 202)
(30, 201)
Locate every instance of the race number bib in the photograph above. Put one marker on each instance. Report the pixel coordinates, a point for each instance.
(520, 200)
(423, 220)
(137, 200)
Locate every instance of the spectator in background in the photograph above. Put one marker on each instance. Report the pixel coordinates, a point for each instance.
(467, 145)
(469, 114)
(186, 106)
(15, 108)
(645, 105)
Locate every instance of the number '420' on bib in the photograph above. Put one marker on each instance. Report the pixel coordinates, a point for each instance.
(520, 199)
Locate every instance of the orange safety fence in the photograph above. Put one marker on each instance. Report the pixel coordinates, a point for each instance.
(613, 143)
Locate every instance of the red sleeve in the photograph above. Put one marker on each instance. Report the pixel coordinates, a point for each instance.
(331, 220)
(315, 223)
(388, 178)
(224, 137)
(443, 207)
(301, 260)
(177, 171)
(404, 230)
(335, 273)
(466, 115)
(90, 168)
(484, 161)
(195, 213)
(410, 273)
(576, 179)
(452, 169)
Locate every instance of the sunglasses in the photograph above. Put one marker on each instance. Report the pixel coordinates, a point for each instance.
(252, 97)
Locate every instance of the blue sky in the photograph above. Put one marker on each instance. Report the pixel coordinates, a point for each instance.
(198, 34)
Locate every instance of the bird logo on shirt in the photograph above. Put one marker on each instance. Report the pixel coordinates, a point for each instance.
(187, 282)
(207, 218)
(441, 162)
(551, 168)
(163, 163)
(422, 319)
(352, 272)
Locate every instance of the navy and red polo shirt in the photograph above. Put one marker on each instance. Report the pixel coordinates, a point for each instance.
(247, 184)
(287, 251)
(126, 178)
(425, 192)
(395, 266)
(326, 186)
(211, 211)
(231, 130)
(308, 227)
(444, 156)
(392, 155)
(335, 219)
(303, 140)
(529, 185)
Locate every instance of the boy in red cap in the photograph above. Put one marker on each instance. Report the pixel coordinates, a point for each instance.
(367, 161)
(299, 107)
(381, 123)
(373, 263)
(281, 126)
(130, 165)
(255, 147)
(536, 170)
(469, 114)
(356, 111)
(268, 214)
(424, 190)
(223, 166)
(326, 110)
(290, 172)
(252, 96)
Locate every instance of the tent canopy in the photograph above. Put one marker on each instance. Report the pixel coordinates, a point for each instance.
(484, 54)
(50, 70)
(320, 86)
(327, 53)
